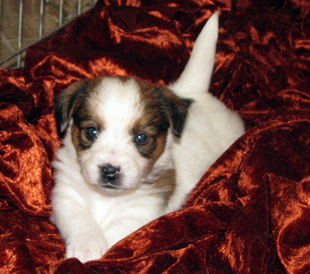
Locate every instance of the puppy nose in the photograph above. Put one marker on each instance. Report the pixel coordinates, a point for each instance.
(110, 171)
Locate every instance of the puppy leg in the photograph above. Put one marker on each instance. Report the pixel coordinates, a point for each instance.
(121, 228)
(83, 237)
(132, 217)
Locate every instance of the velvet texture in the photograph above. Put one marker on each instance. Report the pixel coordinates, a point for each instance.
(248, 214)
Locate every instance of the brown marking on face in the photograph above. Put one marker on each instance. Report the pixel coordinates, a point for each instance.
(153, 123)
(162, 109)
(69, 101)
(75, 133)
(80, 138)
(86, 119)
(72, 103)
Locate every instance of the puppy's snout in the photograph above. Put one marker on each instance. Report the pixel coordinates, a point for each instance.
(110, 172)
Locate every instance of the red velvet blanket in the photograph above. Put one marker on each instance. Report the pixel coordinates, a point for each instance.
(250, 212)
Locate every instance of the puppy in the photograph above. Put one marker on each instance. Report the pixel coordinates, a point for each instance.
(133, 151)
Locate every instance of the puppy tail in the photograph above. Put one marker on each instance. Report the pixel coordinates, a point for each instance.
(196, 77)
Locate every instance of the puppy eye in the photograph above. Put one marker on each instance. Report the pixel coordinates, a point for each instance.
(92, 133)
(141, 139)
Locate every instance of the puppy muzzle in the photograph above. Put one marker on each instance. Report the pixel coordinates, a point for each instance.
(111, 176)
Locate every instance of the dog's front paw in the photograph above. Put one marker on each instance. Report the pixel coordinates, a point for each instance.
(87, 248)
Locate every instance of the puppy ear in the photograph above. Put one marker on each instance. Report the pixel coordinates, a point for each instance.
(67, 103)
(175, 109)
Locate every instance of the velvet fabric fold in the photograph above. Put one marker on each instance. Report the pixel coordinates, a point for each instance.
(248, 214)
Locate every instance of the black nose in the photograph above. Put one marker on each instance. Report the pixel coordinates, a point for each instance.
(110, 172)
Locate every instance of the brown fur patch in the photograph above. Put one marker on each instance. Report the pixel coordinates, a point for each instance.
(72, 103)
(70, 100)
(166, 182)
(153, 123)
(162, 109)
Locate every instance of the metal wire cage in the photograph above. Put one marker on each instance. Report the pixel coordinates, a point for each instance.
(26, 22)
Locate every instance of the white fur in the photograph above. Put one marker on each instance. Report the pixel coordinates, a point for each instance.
(210, 127)
(91, 220)
(119, 105)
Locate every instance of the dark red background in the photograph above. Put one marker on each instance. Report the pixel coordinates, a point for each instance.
(250, 212)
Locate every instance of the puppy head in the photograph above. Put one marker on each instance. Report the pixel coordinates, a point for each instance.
(119, 128)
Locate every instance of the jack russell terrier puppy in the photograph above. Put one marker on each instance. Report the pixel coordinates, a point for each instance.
(133, 151)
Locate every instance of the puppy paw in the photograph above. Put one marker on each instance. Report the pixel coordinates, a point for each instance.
(87, 248)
